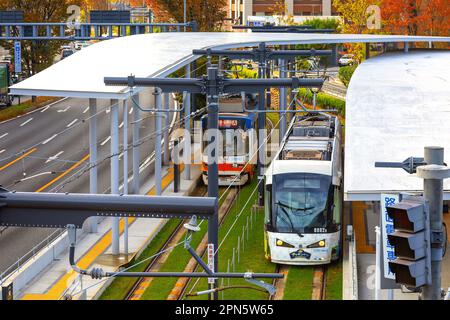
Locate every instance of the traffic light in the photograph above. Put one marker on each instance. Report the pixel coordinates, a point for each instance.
(411, 241)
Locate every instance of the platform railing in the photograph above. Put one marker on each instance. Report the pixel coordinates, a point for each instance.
(30, 254)
(86, 31)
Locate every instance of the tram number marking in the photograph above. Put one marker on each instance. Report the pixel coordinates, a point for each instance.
(320, 230)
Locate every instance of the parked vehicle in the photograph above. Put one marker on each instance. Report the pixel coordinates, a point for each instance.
(346, 60)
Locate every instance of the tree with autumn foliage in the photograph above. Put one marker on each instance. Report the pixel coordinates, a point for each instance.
(416, 17)
(209, 14)
(354, 19)
(38, 55)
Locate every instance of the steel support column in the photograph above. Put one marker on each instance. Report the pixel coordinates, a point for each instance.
(158, 127)
(136, 153)
(166, 130)
(187, 140)
(125, 171)
(93, 172)
(115, 170)
(283, 100)
(213, 169)
(261, 135)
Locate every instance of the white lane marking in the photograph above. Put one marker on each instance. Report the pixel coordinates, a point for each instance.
(50, 139)
(72, 123)
(86, 110)
(106, 141)
(3, 135)
(26, 122)
(54, 157)
(67, 108)
(121, 125)
(108, 110)
(45, 109)
(1, 151)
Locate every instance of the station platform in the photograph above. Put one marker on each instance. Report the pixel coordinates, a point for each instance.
(59, 281)
(364, 216)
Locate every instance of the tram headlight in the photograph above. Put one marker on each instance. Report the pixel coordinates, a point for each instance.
(281, 243)
(318, 244)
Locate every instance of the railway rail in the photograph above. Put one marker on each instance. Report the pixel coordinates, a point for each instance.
(135, 293)
(182, 284)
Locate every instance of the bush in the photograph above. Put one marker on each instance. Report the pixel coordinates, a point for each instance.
(323, 100)
(345, 73)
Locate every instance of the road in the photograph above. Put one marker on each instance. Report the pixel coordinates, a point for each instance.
(53, 158)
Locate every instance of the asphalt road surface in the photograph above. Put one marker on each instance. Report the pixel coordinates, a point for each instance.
(36, 156)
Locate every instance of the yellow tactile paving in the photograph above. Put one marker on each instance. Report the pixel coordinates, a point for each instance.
(359, 225)
(55, 292)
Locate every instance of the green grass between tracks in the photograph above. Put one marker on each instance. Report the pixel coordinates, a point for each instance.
(299, 283)
(334, 281)
(160, 288)
(119, 287)
(251, 257)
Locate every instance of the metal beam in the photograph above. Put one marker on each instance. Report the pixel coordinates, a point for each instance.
(115, 170)
(93, 172)
(262, 53)
(200, 85)
(57, 210)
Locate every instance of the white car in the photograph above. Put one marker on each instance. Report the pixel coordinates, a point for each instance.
(346, 60)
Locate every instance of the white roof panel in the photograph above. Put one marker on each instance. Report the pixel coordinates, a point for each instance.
(158, 54)
(397, 104)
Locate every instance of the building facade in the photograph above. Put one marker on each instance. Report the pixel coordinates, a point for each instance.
(240, 10)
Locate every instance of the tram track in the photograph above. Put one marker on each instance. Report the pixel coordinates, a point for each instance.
(139, 287)
(319, 283)
(182, 284)
(280, 284)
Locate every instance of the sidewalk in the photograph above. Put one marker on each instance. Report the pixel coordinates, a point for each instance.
(94, 250)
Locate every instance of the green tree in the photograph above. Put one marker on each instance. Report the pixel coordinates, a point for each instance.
(209, 14)
(38, 55)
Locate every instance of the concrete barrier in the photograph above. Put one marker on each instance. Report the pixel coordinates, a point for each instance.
(24, 274)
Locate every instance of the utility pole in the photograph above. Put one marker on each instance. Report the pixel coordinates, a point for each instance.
(433, 192)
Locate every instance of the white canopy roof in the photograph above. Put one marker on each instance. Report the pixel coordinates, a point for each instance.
(158, 54)
(397, 104)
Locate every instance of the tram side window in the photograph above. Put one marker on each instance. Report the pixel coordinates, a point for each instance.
(337, 210)
(267, 204)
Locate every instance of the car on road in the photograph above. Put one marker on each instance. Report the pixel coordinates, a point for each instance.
(346, 60)
(65, 53)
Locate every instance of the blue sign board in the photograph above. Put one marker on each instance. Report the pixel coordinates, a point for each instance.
(17, 57)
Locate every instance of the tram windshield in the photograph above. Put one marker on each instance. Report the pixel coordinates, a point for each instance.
(233, 138)
(301, 202)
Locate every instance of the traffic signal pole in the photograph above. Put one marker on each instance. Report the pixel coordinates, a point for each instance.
(433, 192)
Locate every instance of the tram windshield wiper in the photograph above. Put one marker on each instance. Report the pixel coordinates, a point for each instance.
(278, 203)
(293, 208)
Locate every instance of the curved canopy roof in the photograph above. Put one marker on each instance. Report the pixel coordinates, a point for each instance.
(397, 104)
(158, 54)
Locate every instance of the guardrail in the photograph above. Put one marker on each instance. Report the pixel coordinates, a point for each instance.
(30, 254)
(85, 31)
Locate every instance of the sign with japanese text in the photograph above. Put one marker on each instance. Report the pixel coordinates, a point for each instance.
(387, 227)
